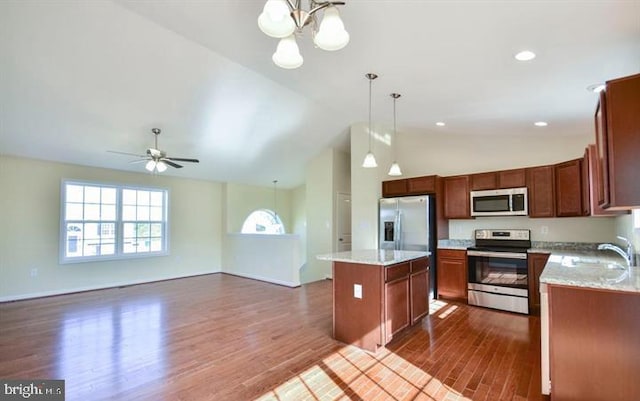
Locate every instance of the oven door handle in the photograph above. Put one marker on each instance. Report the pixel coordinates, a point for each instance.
(504, 255)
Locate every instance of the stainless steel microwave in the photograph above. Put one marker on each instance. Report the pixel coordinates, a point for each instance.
(499, 202)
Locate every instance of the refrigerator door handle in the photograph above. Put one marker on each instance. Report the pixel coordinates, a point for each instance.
(398, 231)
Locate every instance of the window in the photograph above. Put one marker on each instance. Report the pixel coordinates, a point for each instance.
(636, 218)
(110, 222)
(263, 221)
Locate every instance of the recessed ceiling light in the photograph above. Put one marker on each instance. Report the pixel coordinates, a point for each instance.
(597, 88)
(440, 124)
(540, 124)
(525, 55)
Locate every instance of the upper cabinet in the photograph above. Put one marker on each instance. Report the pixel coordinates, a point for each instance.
(540, 182)
(515, 178)
(569, 188)
(456, 197)
(617, 125)
(595, 185)
(421, 185)
(394, 188)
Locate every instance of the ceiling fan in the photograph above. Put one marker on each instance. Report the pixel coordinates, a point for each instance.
(156, 159)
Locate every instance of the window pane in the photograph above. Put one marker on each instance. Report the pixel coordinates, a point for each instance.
(90, 247)
(143, 213)
(107, 231)
(108, 248)
(108, 212)
(74, 245)
(156, 245)
(109, 196)
(156, 213)
(129, 246)
(128, 213)
(156, 230)
(129, 230)
(92, 194)
(143, 197)
(156, 198)
(263, 222)
(91, 231)
(142, 230)
(144, 245)
(73, 211)
(74, 193)
(128, 197)
(91, 212)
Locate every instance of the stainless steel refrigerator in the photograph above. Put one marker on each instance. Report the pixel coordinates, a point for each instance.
(408, 224)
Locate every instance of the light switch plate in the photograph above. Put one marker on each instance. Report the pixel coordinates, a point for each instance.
(357, 291)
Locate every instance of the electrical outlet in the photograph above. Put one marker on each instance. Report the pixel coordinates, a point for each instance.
(357, 291)
(544, 230)
(34, 272)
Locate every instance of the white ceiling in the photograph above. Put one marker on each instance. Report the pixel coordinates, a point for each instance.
(80, 78)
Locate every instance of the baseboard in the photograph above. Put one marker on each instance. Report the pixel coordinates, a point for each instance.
(44, 294)
(265, 279)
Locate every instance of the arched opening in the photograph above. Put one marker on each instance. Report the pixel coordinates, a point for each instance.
(263, 221)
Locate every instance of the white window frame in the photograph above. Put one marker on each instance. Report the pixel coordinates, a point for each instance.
(119, 253)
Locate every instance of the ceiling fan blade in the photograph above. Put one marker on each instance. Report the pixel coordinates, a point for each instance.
(125, 153)
(139, 160)
(172, 164)
(181, 159)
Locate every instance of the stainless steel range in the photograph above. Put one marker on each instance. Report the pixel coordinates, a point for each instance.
(498, 270)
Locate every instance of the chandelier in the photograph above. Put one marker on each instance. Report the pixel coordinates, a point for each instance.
(284, 19)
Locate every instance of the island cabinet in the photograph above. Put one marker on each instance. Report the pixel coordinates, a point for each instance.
(536, 263)
(452, 274)
(593, 344)
(373, 303)
(456, 197)
(618, 143)
(569, 178)
(541, 191)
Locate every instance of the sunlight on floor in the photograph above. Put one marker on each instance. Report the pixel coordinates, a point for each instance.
(351, 373)
(436, 305)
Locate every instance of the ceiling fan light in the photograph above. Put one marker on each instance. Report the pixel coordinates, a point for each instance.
(331, 35)
(161, 166)
(369, 161)
(275, 20)
(287, 54)
(395, 170)
(151, 164)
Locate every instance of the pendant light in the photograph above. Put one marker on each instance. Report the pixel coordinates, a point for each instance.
(395, 167)
(370, 159)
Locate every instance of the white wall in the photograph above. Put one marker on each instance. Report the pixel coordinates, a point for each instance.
(272, 258)
(625, 227)
(443, 153)
(319, 212)
(241, 200)
(30, 221)
(299, 216)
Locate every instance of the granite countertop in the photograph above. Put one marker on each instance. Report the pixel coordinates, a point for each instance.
(590, 269)
(373, 256)
(457, 244)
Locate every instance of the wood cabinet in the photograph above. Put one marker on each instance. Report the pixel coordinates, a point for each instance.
(541, 191)
(569, 188)
(484, 181)
(373, 303)
(452, 274)
(593, 339)
(586, 185)
(595, 183)
(419, 288)
(535, 263)
(456, 197)
(617, 124)
(515, 178)
(394, 188)
(421, 185)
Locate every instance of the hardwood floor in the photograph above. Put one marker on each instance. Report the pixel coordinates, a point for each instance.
(220, 337)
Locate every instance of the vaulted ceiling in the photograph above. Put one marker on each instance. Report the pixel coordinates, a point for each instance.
(80, 78)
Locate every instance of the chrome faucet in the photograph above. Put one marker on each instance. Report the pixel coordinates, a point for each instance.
(628, 255)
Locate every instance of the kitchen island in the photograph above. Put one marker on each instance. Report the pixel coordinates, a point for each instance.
(590, 323)
(377, 294)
